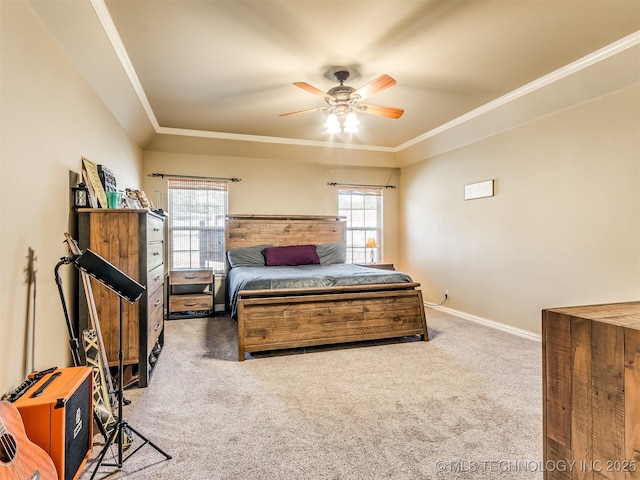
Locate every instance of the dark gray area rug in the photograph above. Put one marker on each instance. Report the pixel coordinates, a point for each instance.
(465, 405)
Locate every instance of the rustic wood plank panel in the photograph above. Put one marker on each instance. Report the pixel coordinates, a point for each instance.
(129, 257)
(241, 330)
(284, 230)
(342, 328)
(601, 311)
(581, 408)
(291, 292)
(297, 343)
(632, 402)
(265, 340)
(608, 396)
(329, 322)
(320, 320)
(316, 306)
(556, 451)
(557, 340)
(328, 294)
(272, 342)
(378, 301)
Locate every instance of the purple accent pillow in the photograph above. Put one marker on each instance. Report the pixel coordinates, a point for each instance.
(291, 255)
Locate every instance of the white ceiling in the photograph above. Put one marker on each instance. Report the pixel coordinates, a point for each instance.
(225, 68)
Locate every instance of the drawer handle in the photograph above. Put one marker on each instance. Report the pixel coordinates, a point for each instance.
(156, 253)
(193, 304)
(157, 302)
(189, 277)
(155, 229)
(157, 327)
(158, 277)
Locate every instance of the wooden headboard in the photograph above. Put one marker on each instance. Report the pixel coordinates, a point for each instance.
(279, 230)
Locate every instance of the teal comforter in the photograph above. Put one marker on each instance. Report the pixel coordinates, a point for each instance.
(306, 276)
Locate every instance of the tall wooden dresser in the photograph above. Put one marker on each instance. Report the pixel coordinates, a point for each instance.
(133, 241)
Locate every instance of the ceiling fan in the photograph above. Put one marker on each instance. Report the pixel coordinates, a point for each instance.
(344, 100)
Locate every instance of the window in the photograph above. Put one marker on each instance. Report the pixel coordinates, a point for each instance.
(197, 211)
(362, 206)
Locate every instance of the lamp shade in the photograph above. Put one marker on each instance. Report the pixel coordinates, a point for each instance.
(372, 243)
(333, 124)
(351, 123)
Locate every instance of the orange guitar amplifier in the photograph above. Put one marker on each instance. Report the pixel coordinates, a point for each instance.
(57, 413)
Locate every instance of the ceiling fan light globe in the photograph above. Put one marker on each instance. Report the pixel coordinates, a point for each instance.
(332, 124)
(351, 123)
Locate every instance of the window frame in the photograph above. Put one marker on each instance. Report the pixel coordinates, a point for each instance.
(210, 229)
(369, 225)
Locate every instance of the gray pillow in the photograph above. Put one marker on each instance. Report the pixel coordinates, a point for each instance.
(247, 256)
(332, 253)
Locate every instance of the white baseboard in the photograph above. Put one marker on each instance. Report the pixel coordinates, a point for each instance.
(490, 323)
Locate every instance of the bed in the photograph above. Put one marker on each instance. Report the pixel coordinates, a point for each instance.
(281, 307)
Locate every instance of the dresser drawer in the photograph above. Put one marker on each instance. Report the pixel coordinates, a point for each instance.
(155, 279)
(155, 255)
(155, 306)
(190, 277)
(154, 327)
(186, 303)
(155, 229)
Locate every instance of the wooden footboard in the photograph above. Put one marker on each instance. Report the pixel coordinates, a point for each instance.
(278, 319)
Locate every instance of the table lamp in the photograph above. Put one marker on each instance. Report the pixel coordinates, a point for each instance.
(372, 243)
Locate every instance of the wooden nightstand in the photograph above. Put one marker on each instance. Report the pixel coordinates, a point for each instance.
(381, 266)
(190, 293)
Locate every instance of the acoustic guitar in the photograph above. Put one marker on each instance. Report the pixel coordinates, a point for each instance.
(21, 459)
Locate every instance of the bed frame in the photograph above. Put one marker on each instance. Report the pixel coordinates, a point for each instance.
(301, 317)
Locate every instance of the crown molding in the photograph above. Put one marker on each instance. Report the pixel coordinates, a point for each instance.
(114, 37)
(265, 139)
(570, 69)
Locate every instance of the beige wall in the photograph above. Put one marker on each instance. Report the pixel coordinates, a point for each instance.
(562, 229)
(287, 187)
(50, 118)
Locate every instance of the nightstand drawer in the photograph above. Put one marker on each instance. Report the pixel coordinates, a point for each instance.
(186, 303)
(190, 277)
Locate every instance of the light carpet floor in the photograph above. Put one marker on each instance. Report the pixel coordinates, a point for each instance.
(465, 405)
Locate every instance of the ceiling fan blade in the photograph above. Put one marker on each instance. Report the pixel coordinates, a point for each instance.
(311, 89)
(290, 114)
(389, 112)
(381, 83)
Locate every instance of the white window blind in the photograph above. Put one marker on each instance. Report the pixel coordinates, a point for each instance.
(197, 212)
(362, 206)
